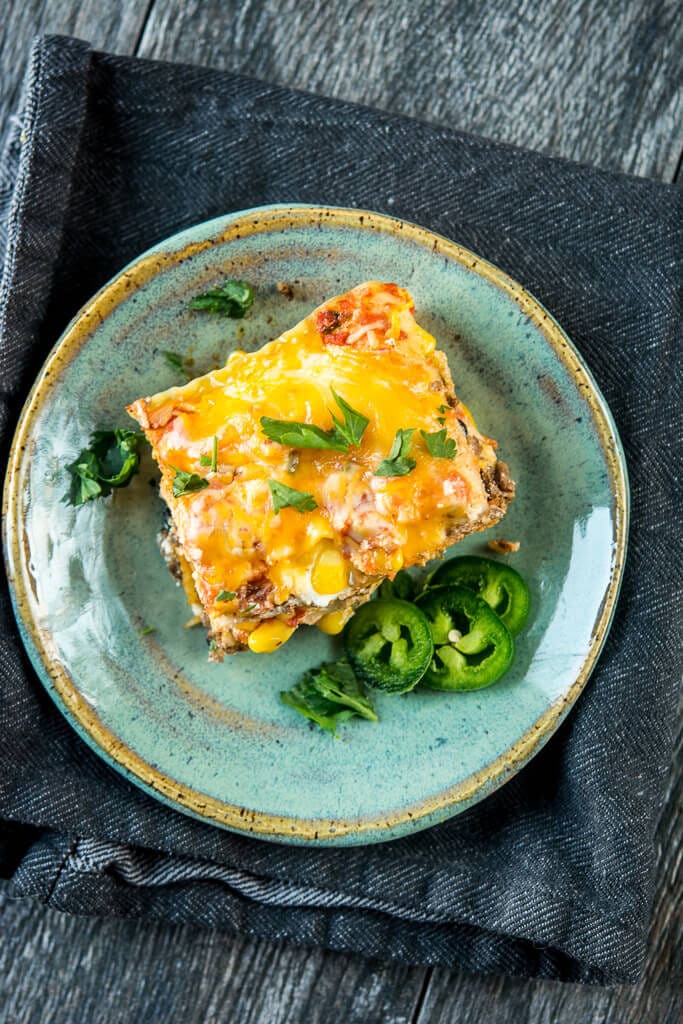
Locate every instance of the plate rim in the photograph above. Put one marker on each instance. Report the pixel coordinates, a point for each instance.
(62, 688)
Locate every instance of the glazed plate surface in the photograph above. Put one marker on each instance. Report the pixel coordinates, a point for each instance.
(214, 740)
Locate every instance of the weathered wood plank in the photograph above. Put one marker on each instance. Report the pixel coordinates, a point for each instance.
(115, 25)
(62, 969)
(657, 999)
(593, 80)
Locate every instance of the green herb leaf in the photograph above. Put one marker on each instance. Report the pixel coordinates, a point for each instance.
(146, 630)
(187, 483)
(212, 459)
(284, 496)
(226, 595)
(111, 461)
(84, 489)
(329, 695)
(397, 463)
(402, 586)
(302, 435)
(345, 432)
(440, 445)
(233, 299)
(354, 424)
(175, 361)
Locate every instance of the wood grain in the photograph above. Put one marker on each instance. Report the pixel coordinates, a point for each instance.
(656, 999)
(114, 25)
(65, 970)
(593, 80)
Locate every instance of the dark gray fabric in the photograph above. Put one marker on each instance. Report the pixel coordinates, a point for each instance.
(551, 875)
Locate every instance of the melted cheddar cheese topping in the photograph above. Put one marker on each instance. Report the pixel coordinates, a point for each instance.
(366, 346)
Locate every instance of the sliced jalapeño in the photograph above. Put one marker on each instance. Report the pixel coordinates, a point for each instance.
(389, 644)
(472, 646)
(498, 584)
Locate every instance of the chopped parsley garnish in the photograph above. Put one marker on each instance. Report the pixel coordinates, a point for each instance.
(329, 695)
(146, 630)
(284, 496)
(212, 459)
(187, 483)
(175, 361)
(233, 299)
(353, 427)
(343, 434)
(111, 461)
(440, 445)
(397, 462)
(226, 595)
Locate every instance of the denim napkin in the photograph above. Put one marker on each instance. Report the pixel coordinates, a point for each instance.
(550, 876)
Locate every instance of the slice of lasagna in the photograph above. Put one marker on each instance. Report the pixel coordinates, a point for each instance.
(300, 476)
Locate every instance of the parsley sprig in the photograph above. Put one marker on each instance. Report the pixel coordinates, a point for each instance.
(329, 695)
(187, 483)
(284, 496)
(212, 459)
(233, 299)
(175, 361)
(439, 444)
(397, 462)
(111, 461)
(345, 432)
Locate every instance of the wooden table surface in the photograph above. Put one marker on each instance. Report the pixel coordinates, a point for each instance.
(593, 80)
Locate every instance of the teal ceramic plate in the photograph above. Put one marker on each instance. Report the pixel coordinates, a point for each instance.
(214, 740)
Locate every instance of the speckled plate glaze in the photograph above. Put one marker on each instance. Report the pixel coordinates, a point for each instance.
(214, 740)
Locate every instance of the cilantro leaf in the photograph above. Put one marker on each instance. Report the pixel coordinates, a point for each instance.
(233, 299)
(284, 496)
(402, 586)
(226, 595)
(187, 483)
(440, 445)
(397, 462)
(111, 461)
(329, 695)
(212, 459)
(353, 427)
(174, 361)
(301, 435)
(345, 432)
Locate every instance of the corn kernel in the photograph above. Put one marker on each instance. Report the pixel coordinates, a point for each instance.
(396, 560)
(334, 622)
(330, 573)
(270, 635)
